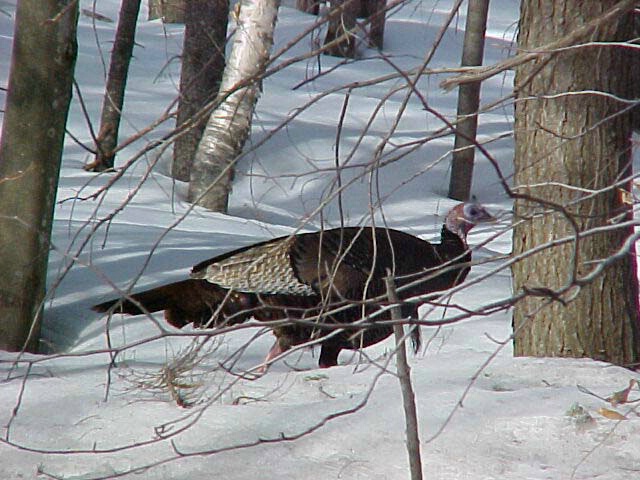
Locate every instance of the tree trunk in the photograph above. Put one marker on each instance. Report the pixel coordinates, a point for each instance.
(229, 125)
(309, 6)
(169, 11)
(116, 84)
(582, 144)
(341, 40)
(202, 66)
(468, 103)
(38, 96)
(375, 11)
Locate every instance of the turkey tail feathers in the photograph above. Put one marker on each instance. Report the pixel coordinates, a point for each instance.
(188, 301)
(148, 301)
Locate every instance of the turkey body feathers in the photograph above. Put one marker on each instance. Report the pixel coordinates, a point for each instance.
(325, 280)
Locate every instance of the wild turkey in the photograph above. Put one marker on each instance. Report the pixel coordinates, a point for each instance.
(322, 279)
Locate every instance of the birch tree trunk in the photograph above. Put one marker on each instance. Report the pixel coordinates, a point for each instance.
(581, 143)
(116, 84)
(33, 129)
(229, 125)
(202, 66)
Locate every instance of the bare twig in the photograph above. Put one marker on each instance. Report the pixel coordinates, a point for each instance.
(482, 73)
(404, 376)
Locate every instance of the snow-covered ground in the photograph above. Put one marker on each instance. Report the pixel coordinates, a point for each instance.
(482, 413)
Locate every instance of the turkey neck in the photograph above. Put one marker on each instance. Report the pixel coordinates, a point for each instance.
(452, 245)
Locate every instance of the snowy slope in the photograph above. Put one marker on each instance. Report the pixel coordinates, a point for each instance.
(483, 414)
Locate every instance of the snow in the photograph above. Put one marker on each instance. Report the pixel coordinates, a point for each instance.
(482, 413)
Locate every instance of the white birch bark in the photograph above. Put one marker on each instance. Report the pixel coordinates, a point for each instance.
(229, 125)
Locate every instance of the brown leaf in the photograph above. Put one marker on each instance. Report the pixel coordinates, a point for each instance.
(611, 414)
(95, 15)
(622, 396)
(626, 196)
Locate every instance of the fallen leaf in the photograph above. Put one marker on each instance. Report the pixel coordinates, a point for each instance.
(316, 376)
(95, 15)
(611, 414)
(622, 396)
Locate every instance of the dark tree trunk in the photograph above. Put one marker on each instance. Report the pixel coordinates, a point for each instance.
(170, 11)
(374, 11)
(116, 84)
(635, 121)
(570, 149)
(468, 103)
(341, 40)
(202, 68)
(38, 96)
(309, 6)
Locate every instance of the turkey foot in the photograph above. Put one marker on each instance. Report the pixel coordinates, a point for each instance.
(274, 351)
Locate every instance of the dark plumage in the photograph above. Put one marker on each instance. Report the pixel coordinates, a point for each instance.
(305, 276)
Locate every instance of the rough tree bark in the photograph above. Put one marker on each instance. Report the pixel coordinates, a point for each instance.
(202, 67)
(38, 96)
(116, 84)
(468, 102)
(582, 142)
(229, 125)
(170, 11)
